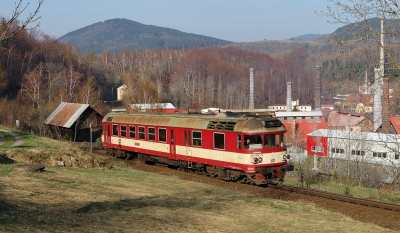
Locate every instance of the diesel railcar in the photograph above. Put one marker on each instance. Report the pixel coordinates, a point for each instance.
(246, 147)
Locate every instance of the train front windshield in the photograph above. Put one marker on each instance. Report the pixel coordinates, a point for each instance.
(263, 141)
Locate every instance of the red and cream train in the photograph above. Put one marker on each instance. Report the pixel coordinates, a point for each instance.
(246, 147)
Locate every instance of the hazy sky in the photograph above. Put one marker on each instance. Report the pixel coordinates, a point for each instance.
(233, 20)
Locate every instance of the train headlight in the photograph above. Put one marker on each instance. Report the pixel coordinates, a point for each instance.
(286, 157)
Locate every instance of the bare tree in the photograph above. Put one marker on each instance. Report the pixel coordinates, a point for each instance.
(358, 15)
(8, 28)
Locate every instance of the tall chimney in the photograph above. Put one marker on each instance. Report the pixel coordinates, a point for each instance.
(318, 89)
(251, 103)
(377, 101)
(382, 53)
(385, 106)
(289, 97)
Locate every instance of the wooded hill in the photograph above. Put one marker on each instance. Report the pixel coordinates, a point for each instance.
(116, 35)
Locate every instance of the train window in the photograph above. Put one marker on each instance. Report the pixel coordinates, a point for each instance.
(162, 135)
(152, 133)
(252, 141)
(219, 141)
(172, 137)
(142, 133)
(132, 131)
(266, 140)
(196, 138)
(239, 141)
(115, 130)
(123, 130)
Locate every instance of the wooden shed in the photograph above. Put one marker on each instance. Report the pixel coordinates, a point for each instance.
(74, 121)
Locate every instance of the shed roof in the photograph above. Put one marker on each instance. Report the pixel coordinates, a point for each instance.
(66, 114)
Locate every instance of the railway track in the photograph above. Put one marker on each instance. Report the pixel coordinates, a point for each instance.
(384, 214)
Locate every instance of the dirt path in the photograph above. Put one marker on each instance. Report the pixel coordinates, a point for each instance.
(17, 137)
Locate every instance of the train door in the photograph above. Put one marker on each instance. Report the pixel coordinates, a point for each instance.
(188, 149)
(107, 134)
(172, 147)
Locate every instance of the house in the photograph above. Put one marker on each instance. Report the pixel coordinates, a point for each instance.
(295, 107)
(74, 121)
(349, 121)
(121, 91)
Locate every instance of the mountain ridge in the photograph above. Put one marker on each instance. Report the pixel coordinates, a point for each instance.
(116, 35)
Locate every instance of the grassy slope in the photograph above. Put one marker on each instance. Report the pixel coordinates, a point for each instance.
(125, 200)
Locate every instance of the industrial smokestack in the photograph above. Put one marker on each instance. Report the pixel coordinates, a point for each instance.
(385, 106)
(377, 101)
(382, 54)
(251, 104)
(318, 89)
(289, 97)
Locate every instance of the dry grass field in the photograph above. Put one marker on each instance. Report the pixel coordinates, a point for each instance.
(65, 199)
(82, 197)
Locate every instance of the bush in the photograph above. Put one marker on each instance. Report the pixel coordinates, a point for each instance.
(67, 137)
(347, 191)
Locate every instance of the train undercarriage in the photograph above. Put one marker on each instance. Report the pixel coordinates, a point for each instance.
(262, 176)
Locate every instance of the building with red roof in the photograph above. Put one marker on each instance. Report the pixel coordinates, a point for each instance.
(349, 121)
(299, 124)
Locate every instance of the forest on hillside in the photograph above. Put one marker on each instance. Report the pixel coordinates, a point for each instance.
(38, 72)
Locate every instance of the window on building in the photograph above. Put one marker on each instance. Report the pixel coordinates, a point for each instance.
(132, 131)
(142, 133)
(196, 137)
(317, 149)
(162, 135)
(123, 130)
(396, 156)
(152, 133)
(115, 130)
(379, 154)
(219, 141)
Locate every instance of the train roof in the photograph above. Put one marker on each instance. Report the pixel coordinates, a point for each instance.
(228, 121)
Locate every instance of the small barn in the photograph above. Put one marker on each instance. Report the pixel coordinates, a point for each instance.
(74, 122)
